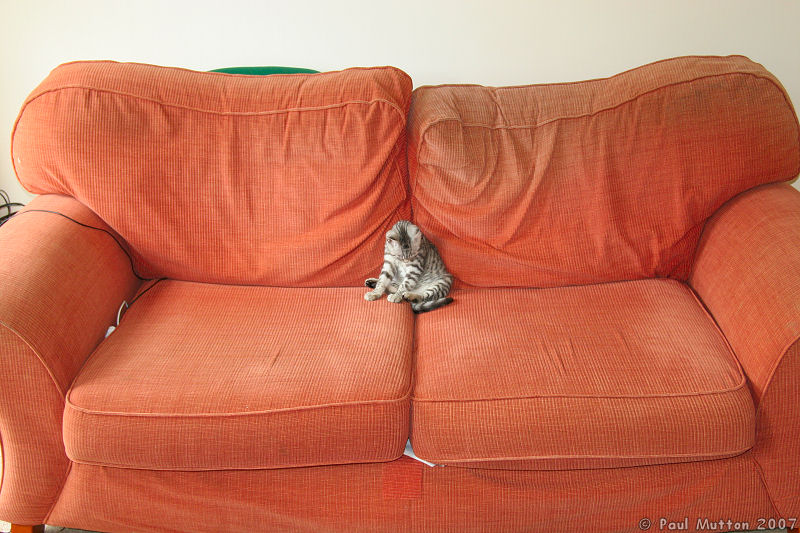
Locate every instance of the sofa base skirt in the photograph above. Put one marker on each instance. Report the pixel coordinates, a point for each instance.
(407, 496)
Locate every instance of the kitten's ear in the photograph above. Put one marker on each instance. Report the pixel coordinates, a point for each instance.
(416, 240)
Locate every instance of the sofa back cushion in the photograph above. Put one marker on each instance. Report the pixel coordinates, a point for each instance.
(602, 180)
(284, 180)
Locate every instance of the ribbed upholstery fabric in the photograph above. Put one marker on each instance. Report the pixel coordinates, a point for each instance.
(203, 377)
(60, 286)
(777, 449)
(605, 375)
(603, 180)
(353, 499)
(283, 180)
(570, 386)
(47, 261)
(30, 434)
(747, 272)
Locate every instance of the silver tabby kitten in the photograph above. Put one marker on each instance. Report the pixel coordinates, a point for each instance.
(412, 270)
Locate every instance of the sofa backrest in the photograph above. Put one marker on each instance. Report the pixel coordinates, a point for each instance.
(594, 181)
(285, 180)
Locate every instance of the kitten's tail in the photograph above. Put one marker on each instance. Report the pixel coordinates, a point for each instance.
(429, 305)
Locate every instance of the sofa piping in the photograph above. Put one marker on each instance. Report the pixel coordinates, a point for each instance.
(706, 456)
(602, 78)
(229, 468)
(134, 96)
(742, 383)
(433, 123)
(198, 110)
(402, 399)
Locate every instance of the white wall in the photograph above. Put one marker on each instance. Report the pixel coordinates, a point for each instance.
(496, 42)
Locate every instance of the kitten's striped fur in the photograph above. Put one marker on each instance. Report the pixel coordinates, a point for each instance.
(412, 270)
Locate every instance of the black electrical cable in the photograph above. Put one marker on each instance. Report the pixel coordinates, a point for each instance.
(119, 243)
(7, 204)
(156, 282)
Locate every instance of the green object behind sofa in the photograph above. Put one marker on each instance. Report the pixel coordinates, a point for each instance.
(261, 71)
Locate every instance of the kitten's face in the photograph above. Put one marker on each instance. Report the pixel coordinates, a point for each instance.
(403, 240)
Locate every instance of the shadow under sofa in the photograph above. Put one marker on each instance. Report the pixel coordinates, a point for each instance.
(621, 351)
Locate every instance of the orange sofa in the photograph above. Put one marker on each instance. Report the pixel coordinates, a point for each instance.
(622, 352)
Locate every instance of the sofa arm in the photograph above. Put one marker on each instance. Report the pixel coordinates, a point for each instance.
(61, 283)
(747, 272)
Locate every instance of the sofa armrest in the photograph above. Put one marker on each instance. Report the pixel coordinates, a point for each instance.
(747, 272)
(62, 280)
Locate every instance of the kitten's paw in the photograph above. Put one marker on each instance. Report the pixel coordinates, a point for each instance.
(395, 298)
(370, 296)
(412, 297)
(371, 282)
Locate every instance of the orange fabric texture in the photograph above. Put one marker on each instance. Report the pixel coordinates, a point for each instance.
(284, 180)
(570, 386)
(603, 180)
(350, 498)
(777, 450)
(747, 272)
(46, 333)
(202, 377)
(605, 375)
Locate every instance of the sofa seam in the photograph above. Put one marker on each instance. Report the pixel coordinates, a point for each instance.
(230, 468)
(707, 456)
(739, 386)
(760, 472)
(60, 491)
(774, 369)
(779, 360)
(86, 411)
(720, 334)
(2, 463)
(598, 111)
(601, 78)
(38, 355)
(135, 96)
(63, 399)
(403, 116)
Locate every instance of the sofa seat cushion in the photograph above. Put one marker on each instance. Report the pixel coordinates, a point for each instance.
(608, 375)
(204, 377)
